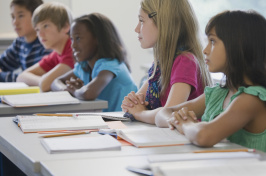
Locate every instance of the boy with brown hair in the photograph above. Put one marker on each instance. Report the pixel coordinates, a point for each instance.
(52, 23)
(25, 50)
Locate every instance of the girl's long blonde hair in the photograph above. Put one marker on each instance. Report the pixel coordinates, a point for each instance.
(178, 28)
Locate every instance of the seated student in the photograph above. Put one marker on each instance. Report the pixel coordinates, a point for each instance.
(178, 73)
(102, 69)
(237, 109)
(25, 50)
(53, 32)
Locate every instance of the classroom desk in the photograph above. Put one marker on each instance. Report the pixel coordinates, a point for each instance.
(83, 106)
(26, 151)
(116, 166)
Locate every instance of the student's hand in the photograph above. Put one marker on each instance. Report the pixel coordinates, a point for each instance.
(133, 99)
(178, 118)
(136, 109)
(74, 83)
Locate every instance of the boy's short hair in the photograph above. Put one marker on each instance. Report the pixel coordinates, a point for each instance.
(56, 12)
(30, 5)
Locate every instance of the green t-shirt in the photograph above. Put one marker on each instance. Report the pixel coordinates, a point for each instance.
(214, 98)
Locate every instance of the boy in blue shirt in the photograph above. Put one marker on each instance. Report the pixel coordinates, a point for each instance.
(26, 50)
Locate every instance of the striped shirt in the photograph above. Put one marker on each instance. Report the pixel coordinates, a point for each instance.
(20, 55)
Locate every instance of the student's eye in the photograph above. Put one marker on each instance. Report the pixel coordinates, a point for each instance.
(77, 38)
(212, 41)
(21, 16)
(45, 26)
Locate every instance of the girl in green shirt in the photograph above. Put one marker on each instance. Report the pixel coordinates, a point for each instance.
(235, 109)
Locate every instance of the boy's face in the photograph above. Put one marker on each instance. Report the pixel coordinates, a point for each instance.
(49, 35)
(21, 21)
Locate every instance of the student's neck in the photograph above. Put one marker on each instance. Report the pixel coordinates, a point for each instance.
(60, 47)
(92, 62)
(30, 38)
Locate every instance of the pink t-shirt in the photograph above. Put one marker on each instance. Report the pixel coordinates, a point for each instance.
(185, 70)
(48, 62)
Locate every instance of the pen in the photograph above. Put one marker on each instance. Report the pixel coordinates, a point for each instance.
(226, 150)
(66, 134)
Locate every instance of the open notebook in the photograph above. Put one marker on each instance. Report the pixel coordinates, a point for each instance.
(152, 137)
(80, 144)
(40, 99)
(55, 123)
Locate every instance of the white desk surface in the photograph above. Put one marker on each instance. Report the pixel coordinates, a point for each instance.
(83, 106)
(26, 151)
(116, 166)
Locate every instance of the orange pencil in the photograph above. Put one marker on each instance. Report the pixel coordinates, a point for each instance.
(225, 150)
(65, 134)
(67, 115)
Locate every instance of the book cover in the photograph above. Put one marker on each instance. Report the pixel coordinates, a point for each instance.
(54, 123)
(152, 137)
(80, 144)
(39, 99)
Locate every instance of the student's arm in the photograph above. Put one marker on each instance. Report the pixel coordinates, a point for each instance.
(196, 105)
(179, 93)
(245, 111)
(59, 84)
(32, 75)
(47, 79)
(93, 89)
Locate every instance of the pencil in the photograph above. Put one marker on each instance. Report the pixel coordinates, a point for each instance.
(225, 150)
(65, 134)
(65, 115)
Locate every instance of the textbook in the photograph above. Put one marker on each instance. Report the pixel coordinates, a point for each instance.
(152, 137)
(39, 99)
(80, 144)
(32, 123)
(13, 88)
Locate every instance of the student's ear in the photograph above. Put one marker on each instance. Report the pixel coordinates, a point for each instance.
(66, 29)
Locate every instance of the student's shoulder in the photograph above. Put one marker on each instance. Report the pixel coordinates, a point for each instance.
(185, 58)
(106, 62)
(19, 41)
(254, 92)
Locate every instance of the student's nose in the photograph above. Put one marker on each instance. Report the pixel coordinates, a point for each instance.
(137, 29)
(40, 33)
(73, 44)
(205, 50)
(14, 21)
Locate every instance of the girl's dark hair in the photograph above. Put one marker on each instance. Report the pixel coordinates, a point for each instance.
(244, 37)
(109, 43)
(30, 5)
